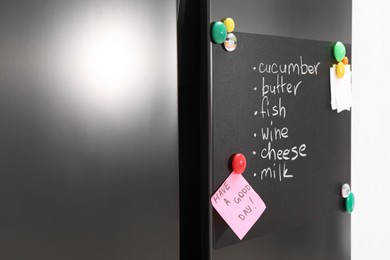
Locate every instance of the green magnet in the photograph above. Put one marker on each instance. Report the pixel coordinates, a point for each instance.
(339, 51)
(350, 203)
(218, 32)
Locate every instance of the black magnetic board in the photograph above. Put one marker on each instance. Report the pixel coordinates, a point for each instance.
(324, 135)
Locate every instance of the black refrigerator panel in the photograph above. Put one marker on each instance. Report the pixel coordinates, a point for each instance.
(327, 235)
(208, 81)
(89, 130)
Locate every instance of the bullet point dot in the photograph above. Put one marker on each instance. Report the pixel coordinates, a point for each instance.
(254, 152)
(255, 113)
(254, 68)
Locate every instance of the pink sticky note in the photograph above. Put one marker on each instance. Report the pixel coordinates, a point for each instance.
(238, 204)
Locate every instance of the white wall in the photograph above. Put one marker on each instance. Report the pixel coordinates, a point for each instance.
(371, 129)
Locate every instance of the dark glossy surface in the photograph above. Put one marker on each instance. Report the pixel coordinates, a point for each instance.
(88, 135)
(329, 20)
(324, 239)
(328, 237)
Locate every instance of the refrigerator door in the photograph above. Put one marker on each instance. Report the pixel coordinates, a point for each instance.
(89, 130)
(328, 235)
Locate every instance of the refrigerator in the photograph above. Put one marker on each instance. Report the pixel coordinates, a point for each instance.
(89, 130)
(233, 95)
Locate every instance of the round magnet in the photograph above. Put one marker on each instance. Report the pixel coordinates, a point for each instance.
(230, 42)
(340, 70)
(229, 23)
(238, 163)
(218, 32)
(345, 190)
(350, 203)
(345, 60)
(339, 51)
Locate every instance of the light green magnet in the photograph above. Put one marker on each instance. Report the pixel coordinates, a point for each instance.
(350, 203)
(339, 51)
(218, 32)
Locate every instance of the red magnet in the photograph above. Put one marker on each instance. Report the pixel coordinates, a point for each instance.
(238, 163)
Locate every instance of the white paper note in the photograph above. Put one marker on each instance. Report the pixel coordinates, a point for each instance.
(341, 89)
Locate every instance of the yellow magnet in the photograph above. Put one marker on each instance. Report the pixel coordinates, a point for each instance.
(229, 23)
(340, 69)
